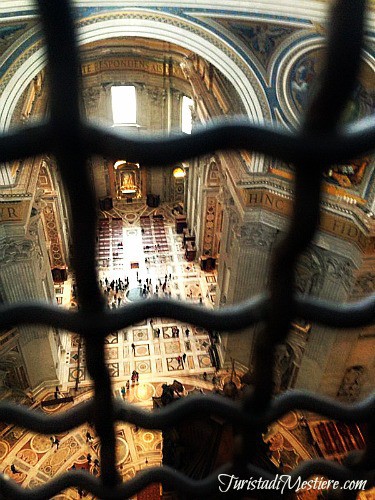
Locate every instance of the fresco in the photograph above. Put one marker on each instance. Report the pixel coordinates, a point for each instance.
(261, 38)
(303, 82)
(302, 78)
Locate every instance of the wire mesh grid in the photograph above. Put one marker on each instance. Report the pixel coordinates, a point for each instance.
(319, 142)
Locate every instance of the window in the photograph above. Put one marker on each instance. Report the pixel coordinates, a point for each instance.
(124, 106)
(186, 118)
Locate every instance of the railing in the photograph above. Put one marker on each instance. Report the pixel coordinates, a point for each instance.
(319, 142)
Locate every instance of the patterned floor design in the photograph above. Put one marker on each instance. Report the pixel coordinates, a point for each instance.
(151, 250)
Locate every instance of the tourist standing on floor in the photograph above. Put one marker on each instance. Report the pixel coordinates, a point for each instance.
(133, 348)
(14, 470)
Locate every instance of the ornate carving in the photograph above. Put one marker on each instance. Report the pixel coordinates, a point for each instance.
(288, 357)
(13, 250)
(351, 385)
(309, 273)
(340, 269)
(364, 285)
(91, 96)
(258, 235)
(156, 93)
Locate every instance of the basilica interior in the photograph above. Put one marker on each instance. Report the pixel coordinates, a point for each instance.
(201, 231)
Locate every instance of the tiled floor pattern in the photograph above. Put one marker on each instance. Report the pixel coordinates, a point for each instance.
(152, 251)
(151, 354)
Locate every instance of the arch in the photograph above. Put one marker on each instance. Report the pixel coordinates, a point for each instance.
(212, 175)
(147, 24)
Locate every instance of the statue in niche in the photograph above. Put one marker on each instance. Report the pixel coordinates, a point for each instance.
(351, 384)
(288, 356)
(348, 175)
(127, 180)
(284, 365)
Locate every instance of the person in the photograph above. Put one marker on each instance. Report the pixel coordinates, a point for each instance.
(187, 332)
(57, 443)
(52, 439)
(127, 385)
(204, 375)
(57, 392)
(123, 392)
(184, 357)
(88, 456)
(133, 348)
(179, 359)
(89, 438)
(13, 469)
(158, 332)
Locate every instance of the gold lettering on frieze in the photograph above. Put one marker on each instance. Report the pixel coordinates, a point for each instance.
(347, 230)
(269, 201)
(126, 63)
(329, 223)
(13, 212)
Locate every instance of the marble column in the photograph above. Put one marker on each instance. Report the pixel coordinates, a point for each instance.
(23, 277)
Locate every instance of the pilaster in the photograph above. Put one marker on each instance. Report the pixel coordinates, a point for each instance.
(249, 254)
(327, 350)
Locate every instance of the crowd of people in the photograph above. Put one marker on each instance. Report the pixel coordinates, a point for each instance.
(116, 290)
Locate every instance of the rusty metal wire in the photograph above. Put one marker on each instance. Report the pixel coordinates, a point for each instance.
(319, 142)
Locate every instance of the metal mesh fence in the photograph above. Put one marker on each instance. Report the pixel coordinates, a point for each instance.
(319, 142)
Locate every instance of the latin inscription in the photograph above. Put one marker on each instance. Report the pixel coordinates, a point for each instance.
(12, 212)
(328, 222)
(153, 67)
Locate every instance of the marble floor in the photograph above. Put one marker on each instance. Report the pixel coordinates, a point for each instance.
(168, 275)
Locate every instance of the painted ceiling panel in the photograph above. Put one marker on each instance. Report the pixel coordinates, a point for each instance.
(260, 39)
